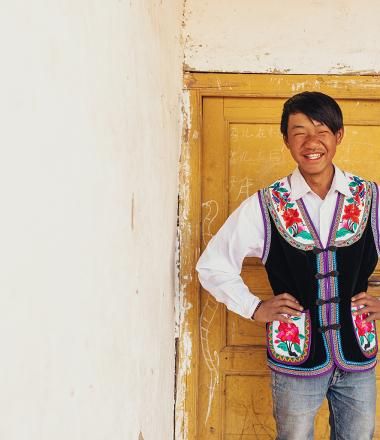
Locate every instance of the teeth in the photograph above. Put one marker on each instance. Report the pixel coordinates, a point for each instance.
(313, 156)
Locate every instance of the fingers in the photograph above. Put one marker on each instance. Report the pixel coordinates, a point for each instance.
(370, 303)
(373, 313)
(284, 310)
(288, 311)
(371, 306)
(372, 317)
(285, 299)
(287, 296)
(361, 295)
(280, 307)
(361, 311)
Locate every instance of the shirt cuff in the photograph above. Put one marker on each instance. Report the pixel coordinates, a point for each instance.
(255, 304)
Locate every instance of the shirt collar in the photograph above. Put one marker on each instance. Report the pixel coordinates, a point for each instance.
(299, 187)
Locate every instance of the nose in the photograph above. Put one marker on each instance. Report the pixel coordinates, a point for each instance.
(312, 141)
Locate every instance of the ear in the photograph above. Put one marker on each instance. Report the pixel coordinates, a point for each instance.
(285, 139)
(339, 135)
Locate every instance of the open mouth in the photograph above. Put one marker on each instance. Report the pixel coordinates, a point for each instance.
(313, 156)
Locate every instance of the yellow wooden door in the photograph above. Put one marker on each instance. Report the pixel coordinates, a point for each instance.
(240, 151)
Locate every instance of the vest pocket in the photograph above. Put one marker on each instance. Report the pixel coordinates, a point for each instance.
(365, 332)
(290, 343)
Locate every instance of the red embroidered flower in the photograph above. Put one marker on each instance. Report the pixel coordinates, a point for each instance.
(360, 188)
(357, 198)
(291, 216)
(288, 332)
(363, 327)
(351, 212)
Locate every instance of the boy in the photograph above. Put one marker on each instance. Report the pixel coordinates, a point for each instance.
(317, 233)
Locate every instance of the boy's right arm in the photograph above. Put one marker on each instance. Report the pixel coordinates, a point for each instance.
(219, 266)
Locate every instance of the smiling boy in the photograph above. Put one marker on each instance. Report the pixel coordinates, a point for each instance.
(317, 234)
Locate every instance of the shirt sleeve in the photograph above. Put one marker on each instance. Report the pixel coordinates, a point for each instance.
(219, 267)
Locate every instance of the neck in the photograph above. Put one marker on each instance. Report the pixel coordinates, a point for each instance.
(320, 184)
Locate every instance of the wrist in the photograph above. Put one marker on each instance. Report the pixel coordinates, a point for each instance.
(256, 309)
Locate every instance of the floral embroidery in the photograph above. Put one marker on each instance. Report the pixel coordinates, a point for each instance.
(290, 342)
(355, 212)
(295, 225)
(365, 328)
(291, 217)
(288, 219)
(288, 337)
(293, 222)
(281, 195)
(365, 332)
(350, 220)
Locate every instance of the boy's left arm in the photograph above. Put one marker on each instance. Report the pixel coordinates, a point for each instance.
(371, 303)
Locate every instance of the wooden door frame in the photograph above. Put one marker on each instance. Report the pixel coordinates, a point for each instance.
(196, 87)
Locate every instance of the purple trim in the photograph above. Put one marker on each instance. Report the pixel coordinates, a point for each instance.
(328, 289)
(328, 281)
(358, 367)
(376, 214)
(265, 253)
(295, 373)
(326, 261)
(375, 217)
(316, 235)
(338, 198)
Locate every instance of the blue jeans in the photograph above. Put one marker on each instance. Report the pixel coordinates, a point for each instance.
(351, 398)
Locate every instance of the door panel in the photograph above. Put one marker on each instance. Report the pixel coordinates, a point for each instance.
(242, 151)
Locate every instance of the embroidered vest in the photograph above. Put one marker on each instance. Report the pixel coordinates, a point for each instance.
(322, 279)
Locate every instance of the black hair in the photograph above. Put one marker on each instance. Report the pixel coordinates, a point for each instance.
(315, 105)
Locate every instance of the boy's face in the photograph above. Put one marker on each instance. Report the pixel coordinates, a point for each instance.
(311, 143)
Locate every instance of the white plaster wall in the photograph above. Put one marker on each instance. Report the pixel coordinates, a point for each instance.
(89, 113)
(293, 36)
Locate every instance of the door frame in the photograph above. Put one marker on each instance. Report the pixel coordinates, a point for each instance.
(196, 87)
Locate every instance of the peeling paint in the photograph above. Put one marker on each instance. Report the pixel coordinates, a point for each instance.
(276, 70)
(339, 67)
(181, 416)
(181, 303)
(183, 192)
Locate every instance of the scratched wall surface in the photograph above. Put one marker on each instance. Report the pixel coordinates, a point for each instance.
(318, 36)
(90, 137)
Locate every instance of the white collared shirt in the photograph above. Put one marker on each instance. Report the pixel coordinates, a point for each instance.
(242, 235)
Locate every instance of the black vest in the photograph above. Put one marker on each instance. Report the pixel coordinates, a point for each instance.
(322, 279)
